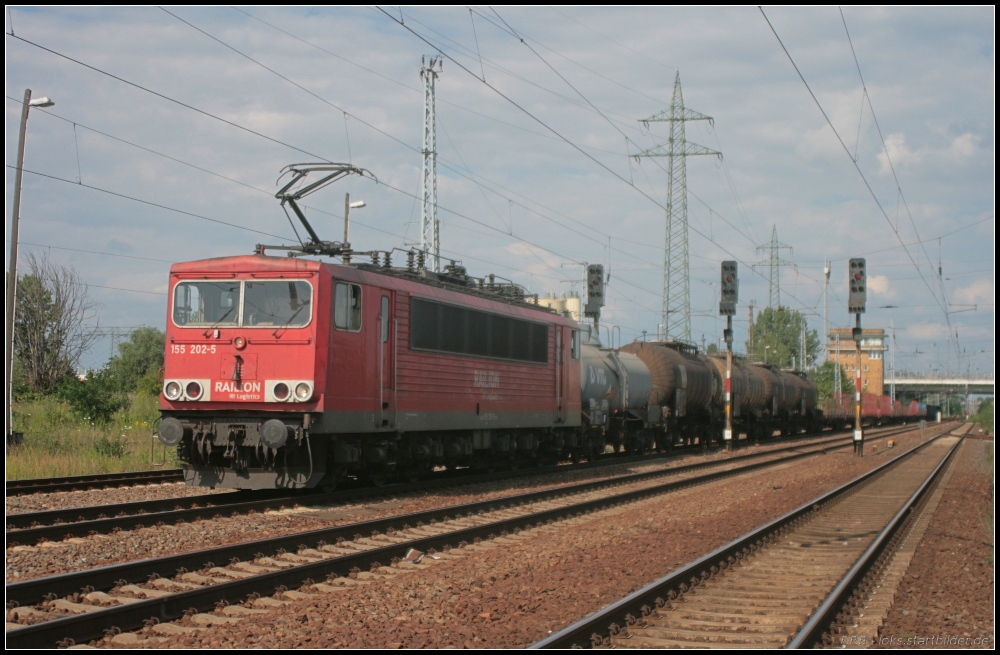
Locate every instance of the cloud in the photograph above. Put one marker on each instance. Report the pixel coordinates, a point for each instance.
(980, 291)
(959, 150)
(927, 332)
(881, 286)
(964, 146)
(783, 165)
(899, 152)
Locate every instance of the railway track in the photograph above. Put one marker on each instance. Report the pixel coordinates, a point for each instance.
(785, 583)
(135, 478)
(54, 525)
(98, 481)
(84, 605)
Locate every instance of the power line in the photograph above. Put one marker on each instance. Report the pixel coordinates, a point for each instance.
(147, 202)
(885, 148)
(274, 140)
(92, 252)
(469, 176)
(856, 166)
(546, 126)
(167, 98)
(248, 130)
(235, 181)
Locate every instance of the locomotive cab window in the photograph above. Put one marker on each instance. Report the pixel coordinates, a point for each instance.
(347, 307)
(277, 303)
(244, 303)
(575, 344)
(206, 303)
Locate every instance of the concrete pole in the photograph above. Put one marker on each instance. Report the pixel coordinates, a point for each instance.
(727, 436)
(12, 267)
(859, 437)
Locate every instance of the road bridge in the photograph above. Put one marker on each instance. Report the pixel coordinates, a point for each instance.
(952, 384)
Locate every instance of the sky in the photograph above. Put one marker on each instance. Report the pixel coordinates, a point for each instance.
(171, 127)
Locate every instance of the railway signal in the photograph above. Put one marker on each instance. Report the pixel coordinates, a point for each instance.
(595, 290)
(857, 296)
(858, 283)
(730, 289)
(728, 295)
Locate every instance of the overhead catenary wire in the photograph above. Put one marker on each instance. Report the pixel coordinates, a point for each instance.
(148, 202)
(396, 139)
(856, 166)
(445, 163)
(440, 207)
(622, 240)
(167, 98)
(219, 175)
(562, 137)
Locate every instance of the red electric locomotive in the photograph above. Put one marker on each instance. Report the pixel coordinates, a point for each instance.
(283, 372)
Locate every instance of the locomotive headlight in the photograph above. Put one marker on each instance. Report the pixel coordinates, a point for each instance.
(193, 390)
(303, 391)
(240, 343)
(172, 390)
(281, 391)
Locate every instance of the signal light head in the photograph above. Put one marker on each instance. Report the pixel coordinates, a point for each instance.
(858, 294)
(729, 292)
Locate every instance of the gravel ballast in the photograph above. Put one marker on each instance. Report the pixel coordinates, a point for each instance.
(511, 592)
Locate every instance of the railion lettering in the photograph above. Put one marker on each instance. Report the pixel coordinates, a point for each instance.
(228, 386)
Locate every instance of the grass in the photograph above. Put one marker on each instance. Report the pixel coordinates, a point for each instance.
(59, 443)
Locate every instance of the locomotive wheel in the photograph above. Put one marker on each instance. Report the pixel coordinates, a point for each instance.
(377, 479)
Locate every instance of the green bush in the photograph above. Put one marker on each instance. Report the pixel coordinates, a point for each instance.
(116, 448)
(150, 383)
(96, 399)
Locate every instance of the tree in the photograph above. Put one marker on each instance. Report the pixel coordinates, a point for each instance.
(97, 398)
(50, 335)
(824, 379)
(984, 416)
(139, 360)
(778, 331)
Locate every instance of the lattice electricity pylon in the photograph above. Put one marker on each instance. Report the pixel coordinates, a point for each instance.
(430, 241)
(774, 264)
(676, 310)
(117, 335)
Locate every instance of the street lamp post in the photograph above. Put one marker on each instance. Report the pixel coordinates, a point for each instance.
(12, 268)
(348, 206)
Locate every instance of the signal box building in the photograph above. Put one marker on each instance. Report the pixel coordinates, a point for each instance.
(842, 347)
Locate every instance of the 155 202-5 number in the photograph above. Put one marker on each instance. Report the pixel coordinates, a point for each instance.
(196, 349)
